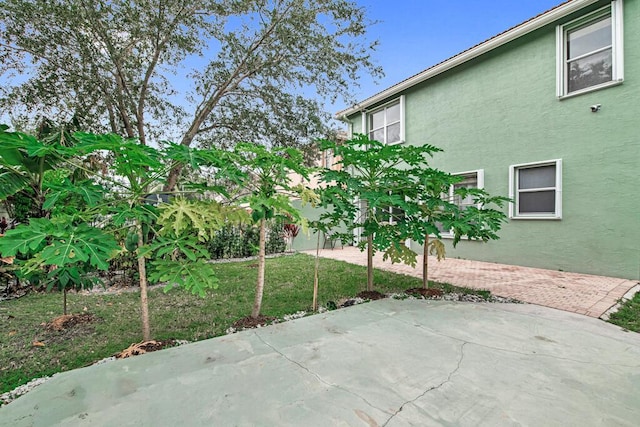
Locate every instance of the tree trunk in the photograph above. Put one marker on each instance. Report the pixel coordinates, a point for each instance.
(257, 304)
(172, 179)
(144, 302)
(425, 263)
(369, 263)
(315, 276)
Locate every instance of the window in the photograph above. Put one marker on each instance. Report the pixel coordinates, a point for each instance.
(327, 159)
(386, 124)
(536, 189)
(590, 51)
(390, 214)
(473, 179)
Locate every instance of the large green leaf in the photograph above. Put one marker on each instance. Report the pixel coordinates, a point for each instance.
(12, 182)
(61, 243)
(90, 193)
(26, 238)
(196, 276)
(203, 216)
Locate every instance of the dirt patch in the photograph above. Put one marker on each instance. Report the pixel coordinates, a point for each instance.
(145, 347)
(372, 295)
(426, 293)
(68, 321)
(250, 322)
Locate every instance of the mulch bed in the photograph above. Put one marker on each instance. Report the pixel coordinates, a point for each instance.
(67, 321)
(250, 322)
(372, 295)
(145, 347)
(427, 293)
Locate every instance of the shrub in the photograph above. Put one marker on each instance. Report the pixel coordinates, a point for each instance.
(241, 241)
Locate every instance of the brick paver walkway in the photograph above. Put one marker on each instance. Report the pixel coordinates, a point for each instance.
(579, 293)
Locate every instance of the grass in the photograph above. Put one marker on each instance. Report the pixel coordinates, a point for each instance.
(628, 316)
(176, 314)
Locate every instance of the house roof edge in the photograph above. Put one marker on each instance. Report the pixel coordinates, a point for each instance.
(505, 37)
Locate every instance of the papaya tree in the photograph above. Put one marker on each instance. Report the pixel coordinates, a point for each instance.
(59, 250)
(461, 212)
(384, 195)
(365, 197)
(171, 233)
(268, 192)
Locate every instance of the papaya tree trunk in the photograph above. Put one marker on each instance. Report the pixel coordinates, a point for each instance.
(370, 263)
(315, 275)
(144, 302)
(425, 263)
(257, 304)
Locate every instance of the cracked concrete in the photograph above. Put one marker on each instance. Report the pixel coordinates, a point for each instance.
(430, 388)
(385, 363)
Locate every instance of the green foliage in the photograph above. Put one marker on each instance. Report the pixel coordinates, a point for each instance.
(233, 241)
(267, 185)
(109, 65)
(64, 192)
(205, 217)
(194, 275)
(400, 197)
(275, 238)
(173, 234)
(240, 241)
(25, 163)
(71, 252)
(268, 191)
(60, 243)
(384, 179)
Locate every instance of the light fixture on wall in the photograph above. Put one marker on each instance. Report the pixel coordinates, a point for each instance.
(595, 108)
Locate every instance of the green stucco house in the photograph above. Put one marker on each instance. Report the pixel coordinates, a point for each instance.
(548, 113)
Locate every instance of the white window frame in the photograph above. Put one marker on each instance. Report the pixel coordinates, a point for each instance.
(480, 185)
(617, 49)
(514, 193)
(366, 114)
(327, 159)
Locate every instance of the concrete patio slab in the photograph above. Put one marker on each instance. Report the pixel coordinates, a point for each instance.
(384, 363)
(578, 293)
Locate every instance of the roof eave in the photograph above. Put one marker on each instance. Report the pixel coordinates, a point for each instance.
(518, 31)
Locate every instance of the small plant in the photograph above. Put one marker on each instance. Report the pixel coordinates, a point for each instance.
(290, 233)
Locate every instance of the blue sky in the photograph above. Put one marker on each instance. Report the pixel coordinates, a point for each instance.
(416, 34)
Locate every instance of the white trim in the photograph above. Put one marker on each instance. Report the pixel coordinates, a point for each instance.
(617, 21)
(615, 11)
(513, 214)
(479, 184)
(367, 113)
(590, 89)
(402, 127)
(493, 43)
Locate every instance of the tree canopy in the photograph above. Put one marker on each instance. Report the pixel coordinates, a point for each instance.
(206, 71)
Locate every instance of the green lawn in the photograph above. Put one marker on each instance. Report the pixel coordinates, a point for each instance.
(176, 314)
(628, 316)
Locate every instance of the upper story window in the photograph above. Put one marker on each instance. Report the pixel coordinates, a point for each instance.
(536, 189)
(386, 124)
(590, 51)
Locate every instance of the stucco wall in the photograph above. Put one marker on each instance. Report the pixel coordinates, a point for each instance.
(501, 109)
